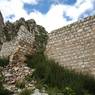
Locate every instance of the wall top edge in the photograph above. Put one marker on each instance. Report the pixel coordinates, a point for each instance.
(80, 21)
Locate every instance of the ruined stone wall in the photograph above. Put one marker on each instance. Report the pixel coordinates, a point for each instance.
(73, 46)
(23, 41)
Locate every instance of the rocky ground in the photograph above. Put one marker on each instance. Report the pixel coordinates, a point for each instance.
(17, 72)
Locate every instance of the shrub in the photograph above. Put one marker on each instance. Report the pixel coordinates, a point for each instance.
(69, 91)
(20, 84)
(1, 77)
(39, 85)
(40, 39)
(28, 78)
(52, 74)
(4, 62)
(54, 91)
(89, 84)
(4, 91)
(26, 92)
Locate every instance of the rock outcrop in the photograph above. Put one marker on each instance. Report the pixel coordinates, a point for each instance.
(22, 44)
(1, 20)
(19, 39)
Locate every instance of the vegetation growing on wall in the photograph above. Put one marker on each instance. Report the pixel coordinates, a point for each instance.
(10, 29)
(4, 62)
(40, 39)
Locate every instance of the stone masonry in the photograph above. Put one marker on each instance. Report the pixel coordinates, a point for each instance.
(73, 46)
(22, 42)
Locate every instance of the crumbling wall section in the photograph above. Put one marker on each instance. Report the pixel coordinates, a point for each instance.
(22, 42)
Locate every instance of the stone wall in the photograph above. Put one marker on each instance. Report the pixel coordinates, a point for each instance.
(22, 42)
(73, 46)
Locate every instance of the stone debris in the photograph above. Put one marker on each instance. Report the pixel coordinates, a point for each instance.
(37, 92)
(16, 72)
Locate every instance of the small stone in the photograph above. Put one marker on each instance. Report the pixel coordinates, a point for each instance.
(8, 75)
(36, 92)
(16, 68)
(30, 85)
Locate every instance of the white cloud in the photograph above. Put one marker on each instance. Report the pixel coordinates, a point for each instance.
(53, 19)
(12, 7)
(80, 7)
(31, 1)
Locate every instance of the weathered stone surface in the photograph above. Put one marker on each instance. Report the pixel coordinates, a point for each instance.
(1, 30)
(22, 44)
(1, 20)
(73, 46)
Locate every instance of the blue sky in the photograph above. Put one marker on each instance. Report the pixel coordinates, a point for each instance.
(45, 5)
(51, 14)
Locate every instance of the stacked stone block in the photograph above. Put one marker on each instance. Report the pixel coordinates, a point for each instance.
(73, 46)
